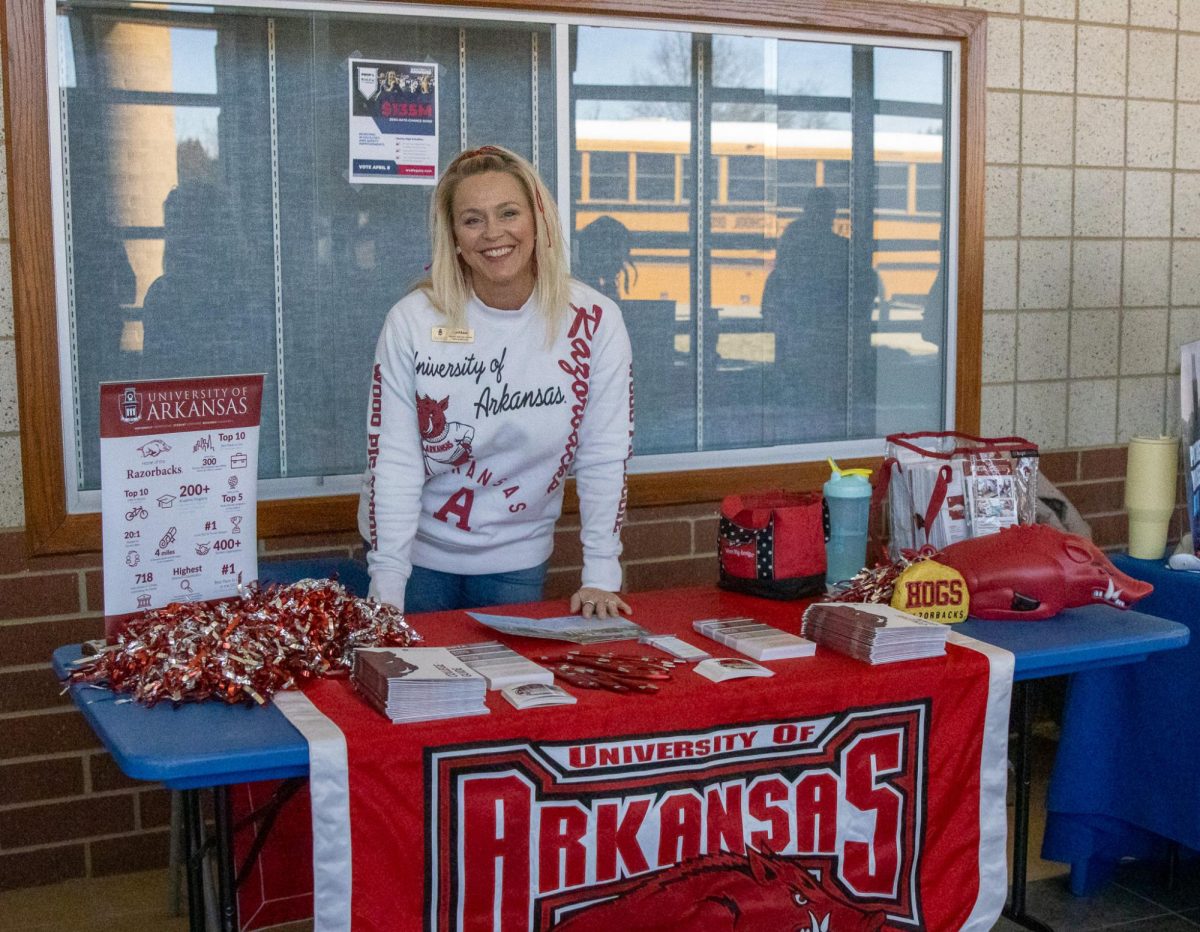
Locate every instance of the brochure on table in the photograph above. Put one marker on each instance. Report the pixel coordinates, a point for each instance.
(179, 476)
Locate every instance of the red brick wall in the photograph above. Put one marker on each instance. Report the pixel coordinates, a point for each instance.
(66, 810)
(1094, 482)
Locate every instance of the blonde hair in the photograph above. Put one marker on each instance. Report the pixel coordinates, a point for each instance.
(449, 284)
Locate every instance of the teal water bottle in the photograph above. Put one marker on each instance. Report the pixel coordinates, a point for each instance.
(848, 498)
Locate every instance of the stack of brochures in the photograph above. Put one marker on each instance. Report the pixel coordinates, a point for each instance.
(418, 684)
(754, 639)
(500, 665)
(873, 633)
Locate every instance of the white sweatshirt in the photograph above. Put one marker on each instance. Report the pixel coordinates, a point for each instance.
(469, 443)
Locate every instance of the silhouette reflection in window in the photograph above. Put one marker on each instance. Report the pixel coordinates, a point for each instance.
(198, 317)
(664, 380)
(823, 377)
(605, 246)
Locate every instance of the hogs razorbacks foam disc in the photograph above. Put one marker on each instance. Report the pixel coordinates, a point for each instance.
(934, 591)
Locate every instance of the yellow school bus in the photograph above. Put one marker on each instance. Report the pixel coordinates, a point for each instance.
(639, 173)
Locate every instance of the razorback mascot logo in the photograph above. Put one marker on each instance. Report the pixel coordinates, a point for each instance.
(443, 442)
(728, 892)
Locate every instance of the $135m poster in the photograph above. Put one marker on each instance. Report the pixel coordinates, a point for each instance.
(393, 122)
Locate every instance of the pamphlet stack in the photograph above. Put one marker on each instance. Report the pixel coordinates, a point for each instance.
(417, 684)
(754, 639)
(873, 633)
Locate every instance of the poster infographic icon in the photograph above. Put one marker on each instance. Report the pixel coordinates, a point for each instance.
(179, 477)
(393, 122)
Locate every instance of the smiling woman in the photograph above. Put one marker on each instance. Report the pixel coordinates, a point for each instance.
(492, 379)
(494, 230)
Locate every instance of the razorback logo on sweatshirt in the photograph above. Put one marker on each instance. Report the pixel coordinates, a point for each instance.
(442, 441)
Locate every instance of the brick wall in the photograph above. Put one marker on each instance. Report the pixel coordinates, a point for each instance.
(1094, 482)
(66, 810)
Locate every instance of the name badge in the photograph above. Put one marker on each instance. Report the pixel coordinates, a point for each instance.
(453, 335)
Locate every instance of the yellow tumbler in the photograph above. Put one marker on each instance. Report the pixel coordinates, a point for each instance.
(1150, 478)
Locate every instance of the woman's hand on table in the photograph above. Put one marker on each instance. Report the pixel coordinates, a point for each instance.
(598, 603)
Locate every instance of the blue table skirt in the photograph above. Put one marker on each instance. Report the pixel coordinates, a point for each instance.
(1127, 775)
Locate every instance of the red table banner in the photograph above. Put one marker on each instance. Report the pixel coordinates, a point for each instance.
(832, 796)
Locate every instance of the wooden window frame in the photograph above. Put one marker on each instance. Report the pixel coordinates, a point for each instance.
(51, 529)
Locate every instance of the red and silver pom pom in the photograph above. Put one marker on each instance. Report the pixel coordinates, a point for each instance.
(246, 648)
(876, 584)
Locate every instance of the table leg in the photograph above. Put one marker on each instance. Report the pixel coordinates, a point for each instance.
(176, 855)
(226, 884)
(194, 848)
(1015, 910)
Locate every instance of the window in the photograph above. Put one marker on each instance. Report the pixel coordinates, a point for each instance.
(796, 177)
(747, 178)
(795, 300)
(892, 186)
(608, 174)
(201, 222)
(205, 197)
(931, 187)
(655, 177)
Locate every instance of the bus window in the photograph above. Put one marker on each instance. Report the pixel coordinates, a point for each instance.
(609, 174)
(930, 194)
(836, 177)
(891, 182)
(747, 178)
(655, 177)
(796, 178)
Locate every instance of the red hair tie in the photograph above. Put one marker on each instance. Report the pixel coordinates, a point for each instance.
(482, 150)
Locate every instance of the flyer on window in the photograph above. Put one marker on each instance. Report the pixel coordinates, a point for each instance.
(393, 122)
(179, 478)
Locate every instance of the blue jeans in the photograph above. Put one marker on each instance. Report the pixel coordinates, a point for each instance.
(434, 591)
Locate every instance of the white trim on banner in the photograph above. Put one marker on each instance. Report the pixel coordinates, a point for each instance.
(329, 786)
(993, 783)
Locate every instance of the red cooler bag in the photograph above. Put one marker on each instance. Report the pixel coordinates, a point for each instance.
(772, 544)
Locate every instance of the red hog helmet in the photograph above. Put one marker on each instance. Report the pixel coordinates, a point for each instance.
(1031, 572)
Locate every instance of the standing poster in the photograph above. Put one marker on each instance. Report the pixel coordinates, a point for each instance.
(179, 477)
(1189, 411)
(393, 122)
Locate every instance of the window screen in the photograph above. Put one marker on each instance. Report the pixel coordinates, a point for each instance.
(771, 214)
(212, 228)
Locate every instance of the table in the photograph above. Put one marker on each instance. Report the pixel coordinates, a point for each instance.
(161, 744)
(242, 744)
(1125, 778)
(246, 744)
(1090, 637)
(694, 805)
